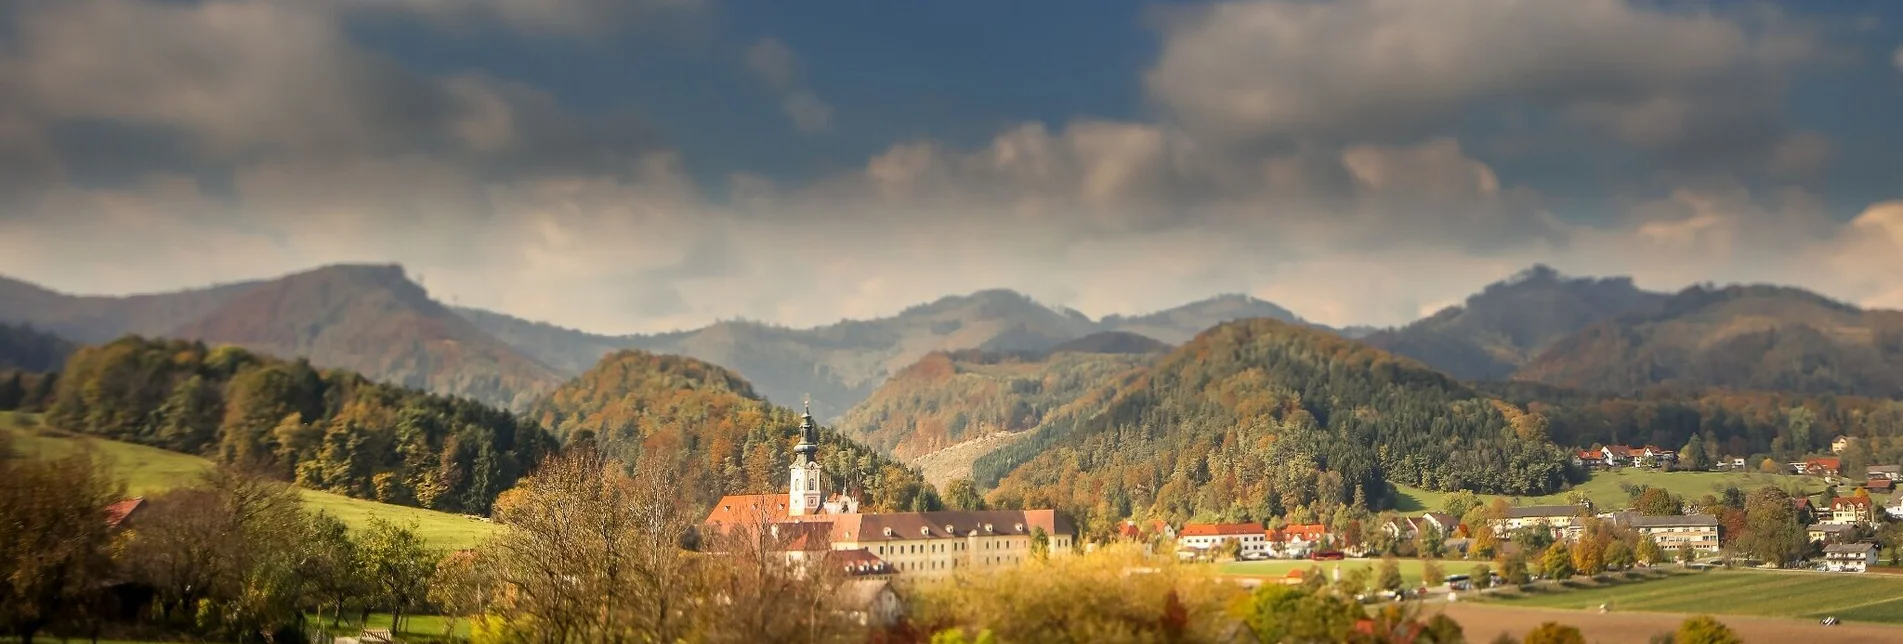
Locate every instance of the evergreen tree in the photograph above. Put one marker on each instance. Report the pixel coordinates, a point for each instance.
(12, 392)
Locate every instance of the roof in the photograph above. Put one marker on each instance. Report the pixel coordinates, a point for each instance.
(1219, 529)
(1887, 468)
(857, 561)
(119, 511)
(896, 526)
(1827, 462)
(1543, 511)
(1879, 484)
(748, 508)
(1305, 531)
(1852, 548)
(1829, 528)
(1442, 518)
(1850, 500)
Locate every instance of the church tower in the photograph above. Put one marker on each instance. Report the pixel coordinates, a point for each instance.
(808, 490)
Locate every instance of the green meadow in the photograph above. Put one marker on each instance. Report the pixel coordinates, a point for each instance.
(1869, 597)
(150, 470)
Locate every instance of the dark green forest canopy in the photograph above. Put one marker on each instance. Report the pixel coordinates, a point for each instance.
(327, 430)
(1255, 418)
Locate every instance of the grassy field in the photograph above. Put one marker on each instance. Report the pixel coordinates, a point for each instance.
(149, 470)
(1275, 568)
(1848, 596)
(1605, 491)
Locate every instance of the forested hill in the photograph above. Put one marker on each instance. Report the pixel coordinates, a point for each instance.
(327, 430)
(1505, 325)
(951, 397)
(24, 348)
(1260, 418)
(731, 441)
(1739, 337)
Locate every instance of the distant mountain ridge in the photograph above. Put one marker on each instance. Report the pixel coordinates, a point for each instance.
(1756, 337)
(1507, 324)
(839, 365)
(371, 319)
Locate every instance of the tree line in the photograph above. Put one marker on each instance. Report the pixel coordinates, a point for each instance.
(328, 430)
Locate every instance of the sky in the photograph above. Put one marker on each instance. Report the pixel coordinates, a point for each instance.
(629, 166)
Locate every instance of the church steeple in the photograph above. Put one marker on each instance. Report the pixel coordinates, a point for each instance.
(807, 492)
(809, 437)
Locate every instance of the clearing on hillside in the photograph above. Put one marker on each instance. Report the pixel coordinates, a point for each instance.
(1811, 595)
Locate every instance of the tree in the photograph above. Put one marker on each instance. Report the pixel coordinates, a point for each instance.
(1459, 503)
(1389, 575)
(1692, 456)
(1041, 544)
(1702, 629)
(1557, 562)
(1513, 569)
(1771, 529)
(1554, 633)
(12, 391)
(1657, 502)
(962, 494)
(1770, 466)
(1619, 555)
(53, 538)
(332, 563)
(1282, 614)
(462, 585)
(1431, 573)
(1648, 551)
(398, 564)
(1482, 575)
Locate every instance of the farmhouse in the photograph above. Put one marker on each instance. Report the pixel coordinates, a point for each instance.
(1822, 466)
(809, 522)
(1891, 472)
(1850, 510)
(1831, 532)
(1850, 557)
(1298, 540)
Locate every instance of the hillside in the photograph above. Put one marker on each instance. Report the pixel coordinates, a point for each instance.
(948, 399)
(1739, 337)
(150, 470)
(332, 430)
(95, 318)
(1261, 418)
(375, 321)
(726, 439)
(24, 348)
(1505, 325)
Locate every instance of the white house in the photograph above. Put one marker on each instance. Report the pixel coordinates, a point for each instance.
(1552, 517)
(1850, 557)
(1203, 537)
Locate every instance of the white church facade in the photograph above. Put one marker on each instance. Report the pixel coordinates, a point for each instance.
(907, 543)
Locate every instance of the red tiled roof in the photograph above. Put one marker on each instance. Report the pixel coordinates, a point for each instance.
(1850, 500)
(1308, 532)
(119, 511)
(1219, 529)
(1825, 462)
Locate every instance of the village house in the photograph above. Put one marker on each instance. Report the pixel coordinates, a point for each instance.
(1589, 459)
(1133, 531)
(1298, 540)
(871, 602)
(1880, 485)
(1700, 531)
(1660, 454)
(1821, 466)
(1850, 557)
(1210, 537)
(810, 521)
(1851, 510)
(1895, 507)
(1408, 528)
(1556, 518)
(1828, 533)
(1617, 455)
(1891, 472)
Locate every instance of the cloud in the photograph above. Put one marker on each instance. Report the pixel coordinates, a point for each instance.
(1309, 154)
(1897, 58)
(591, 18)
(1265, 70)
(776, 66)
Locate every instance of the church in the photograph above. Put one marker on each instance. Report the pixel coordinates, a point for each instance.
(821, 524)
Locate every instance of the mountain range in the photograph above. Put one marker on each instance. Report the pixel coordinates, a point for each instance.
(1537, 326)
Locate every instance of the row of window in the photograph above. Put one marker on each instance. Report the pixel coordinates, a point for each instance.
(956, 546)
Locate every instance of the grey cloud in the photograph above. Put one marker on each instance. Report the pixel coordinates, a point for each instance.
(592, 18)
(1897, 58)
(1399, 70)
(773, 62)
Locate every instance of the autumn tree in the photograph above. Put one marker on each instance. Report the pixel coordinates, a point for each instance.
(53, 538)
(1388, 576)
(1553, 633)
(331, 562)
(1431, 573)
(1648, 551)
(962, 494)
(1772, 532)
(1657, 502)
(587, 552)
(1703, 629)
(1557, 562)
